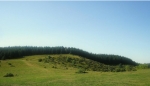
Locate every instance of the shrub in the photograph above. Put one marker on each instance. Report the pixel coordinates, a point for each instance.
(111, 69)
(117, 70)
(128, 68)
(9, 75)
(82, 70)
(68, 59)
(40, 60)
(134, 69)
(54, 67)
(12, 66)
(143, 66)
(49, 57)
(9, 64)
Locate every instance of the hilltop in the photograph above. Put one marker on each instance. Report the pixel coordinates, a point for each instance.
(20, 51)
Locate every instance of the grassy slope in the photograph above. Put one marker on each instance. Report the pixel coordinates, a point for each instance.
(29, 72)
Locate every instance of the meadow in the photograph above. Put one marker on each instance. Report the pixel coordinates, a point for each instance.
(29, 72)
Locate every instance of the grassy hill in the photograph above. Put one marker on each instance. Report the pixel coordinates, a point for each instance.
(29, 71)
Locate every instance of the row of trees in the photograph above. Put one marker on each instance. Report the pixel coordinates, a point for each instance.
(20, 51)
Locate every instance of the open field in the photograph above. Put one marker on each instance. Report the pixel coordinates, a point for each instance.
(29, 72)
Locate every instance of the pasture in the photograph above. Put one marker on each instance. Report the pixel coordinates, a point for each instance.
(29, 72)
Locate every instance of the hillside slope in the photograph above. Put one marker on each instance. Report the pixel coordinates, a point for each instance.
(29, 71)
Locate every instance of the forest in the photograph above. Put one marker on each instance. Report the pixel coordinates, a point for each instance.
(20, 51)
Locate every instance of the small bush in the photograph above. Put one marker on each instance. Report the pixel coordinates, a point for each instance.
(9, 75)
(49, 57)
(40, 60)
(9, 64)
(128, 68)
(12, 66)
(82, 70)
(143, 66)
(117, 70)
(54, 67)
(134, 69)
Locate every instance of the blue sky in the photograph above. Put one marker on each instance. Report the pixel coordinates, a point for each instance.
(121, 28)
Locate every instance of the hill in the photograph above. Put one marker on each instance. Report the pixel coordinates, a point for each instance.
(83, 64)
(31, 71)
(20, 51)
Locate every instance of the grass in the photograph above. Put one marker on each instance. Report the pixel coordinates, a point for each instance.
(29, 72)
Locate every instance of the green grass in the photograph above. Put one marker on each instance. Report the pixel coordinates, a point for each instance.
(29, 72)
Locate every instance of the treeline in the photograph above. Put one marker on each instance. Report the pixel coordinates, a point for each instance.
(20, 51)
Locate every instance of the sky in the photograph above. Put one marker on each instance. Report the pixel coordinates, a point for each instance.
(101, 27)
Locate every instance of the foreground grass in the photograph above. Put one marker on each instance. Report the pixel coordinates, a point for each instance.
(29, 72)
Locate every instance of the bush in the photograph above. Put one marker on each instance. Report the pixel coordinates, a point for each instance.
(128, 68)
(40, 60)
(12, 66)
(82, 70)
(134, 69)
(54, 67)
(9, 75)
(49, 57)
(67, 59)
(117, 70)
(9, 64)
(143, 66)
